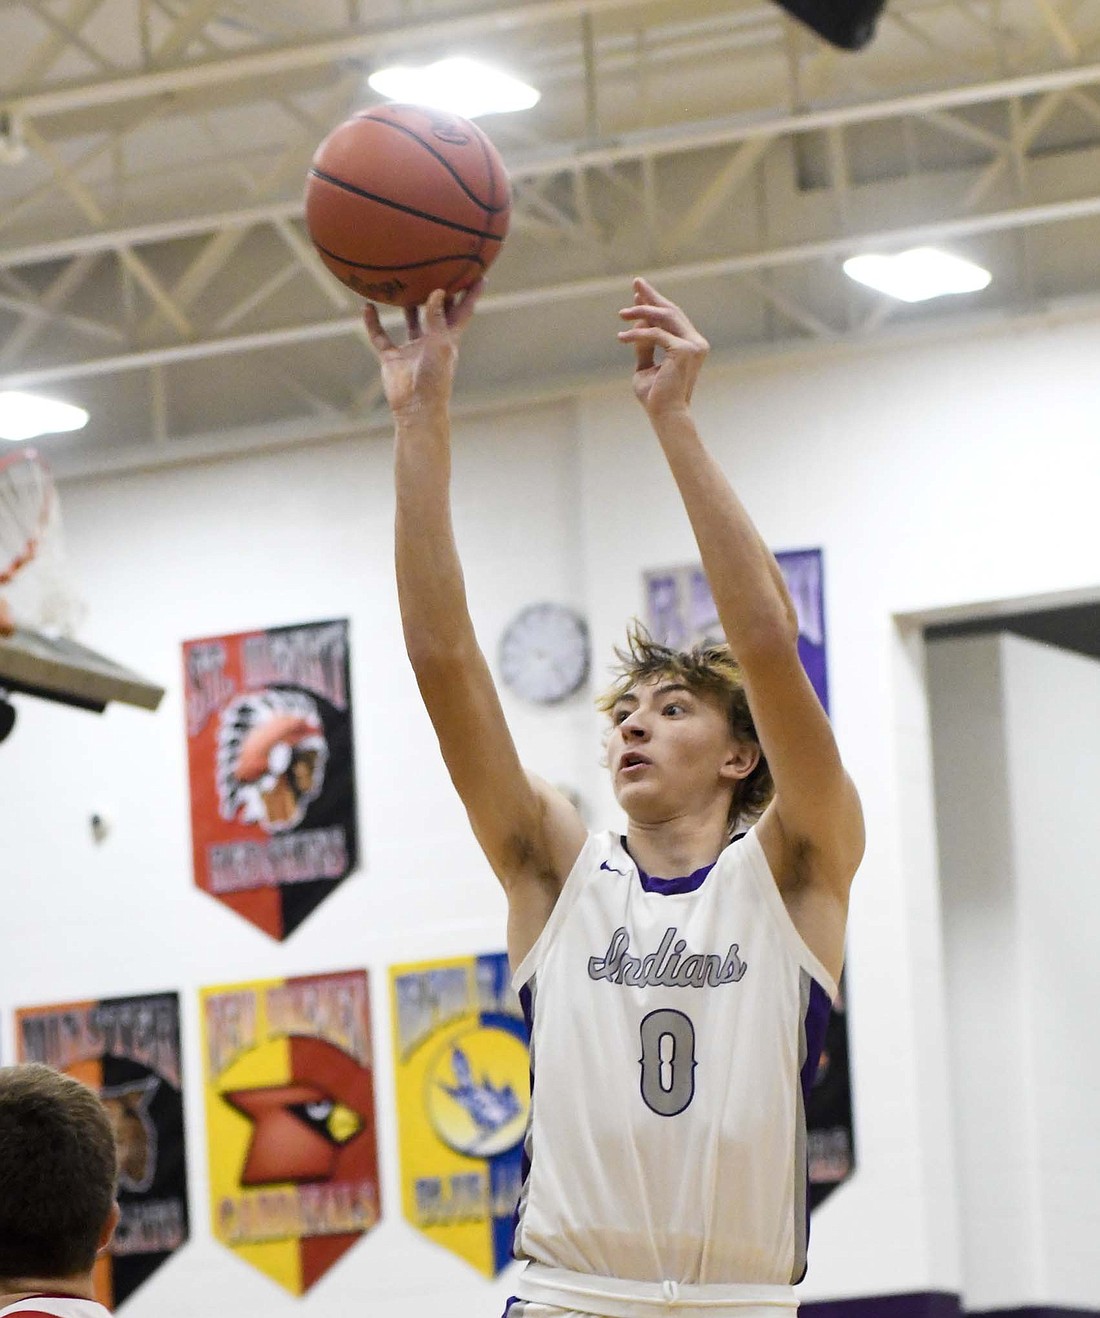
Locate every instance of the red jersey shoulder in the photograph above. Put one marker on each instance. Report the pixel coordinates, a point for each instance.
(55, 1306)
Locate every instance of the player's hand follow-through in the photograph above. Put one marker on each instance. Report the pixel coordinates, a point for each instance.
(417, 375)
(662, 387)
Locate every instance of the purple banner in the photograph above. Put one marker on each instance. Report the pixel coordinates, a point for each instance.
(680, 613)
(680, 610)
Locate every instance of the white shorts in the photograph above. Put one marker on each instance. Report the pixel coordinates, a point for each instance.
(532, 1309)
(529, 1309)
(544, 1292)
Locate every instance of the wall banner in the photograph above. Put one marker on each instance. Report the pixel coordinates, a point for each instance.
(830, 1131)
(680, 612)
(128, 1051)
(463, 1094)
(271, 764)
(680, 609)
(290, 1121)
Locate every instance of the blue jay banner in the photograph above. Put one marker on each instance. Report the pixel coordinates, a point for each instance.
(463, 1094)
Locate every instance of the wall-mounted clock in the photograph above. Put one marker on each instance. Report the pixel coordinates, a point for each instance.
(544, 653)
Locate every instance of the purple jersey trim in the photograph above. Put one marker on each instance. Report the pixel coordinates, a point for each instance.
(814, 1024)
(817, 1020)
(527, 1006)
(672, 887)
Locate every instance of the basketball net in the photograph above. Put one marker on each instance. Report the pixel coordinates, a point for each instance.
(35, 587)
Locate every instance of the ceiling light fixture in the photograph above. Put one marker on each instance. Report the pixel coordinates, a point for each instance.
(26, 416)
(463, 86)
(918, 274)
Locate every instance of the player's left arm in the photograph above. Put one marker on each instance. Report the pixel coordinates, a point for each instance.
(813, 831)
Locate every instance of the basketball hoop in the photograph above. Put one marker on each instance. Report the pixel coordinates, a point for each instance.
(35, 590)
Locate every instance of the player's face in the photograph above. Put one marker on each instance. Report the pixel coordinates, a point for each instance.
(671, 752)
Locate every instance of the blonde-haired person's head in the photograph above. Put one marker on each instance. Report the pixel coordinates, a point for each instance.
(712, 672)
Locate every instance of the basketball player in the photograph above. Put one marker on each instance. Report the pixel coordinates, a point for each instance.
(57, 1193)
(677, 980)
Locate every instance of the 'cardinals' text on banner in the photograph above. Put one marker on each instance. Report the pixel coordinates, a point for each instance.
(290, 1122)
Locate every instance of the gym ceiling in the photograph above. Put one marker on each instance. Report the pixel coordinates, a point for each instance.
(155, 270)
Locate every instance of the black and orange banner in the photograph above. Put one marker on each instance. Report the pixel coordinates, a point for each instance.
(269, 737)
(128, 1051)
(290, 1122)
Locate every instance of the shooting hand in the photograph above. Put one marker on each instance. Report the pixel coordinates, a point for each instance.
(418, 375)
(662, 387)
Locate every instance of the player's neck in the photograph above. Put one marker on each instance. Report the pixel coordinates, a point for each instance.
(14, 1289)
(675, 848)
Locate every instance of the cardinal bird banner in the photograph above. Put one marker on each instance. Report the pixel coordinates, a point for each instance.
(128, 1051)
(680, 612)
(289, 1082)
(273, 822)
(463, 1094)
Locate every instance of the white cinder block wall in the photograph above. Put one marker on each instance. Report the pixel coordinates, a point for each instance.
(931, 476)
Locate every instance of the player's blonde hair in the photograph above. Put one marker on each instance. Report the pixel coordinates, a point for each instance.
(712, 671)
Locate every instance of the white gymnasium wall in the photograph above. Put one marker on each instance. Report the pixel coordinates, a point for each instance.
(1052, 713)
(931, 476)
(986, 982)
(1016, 770)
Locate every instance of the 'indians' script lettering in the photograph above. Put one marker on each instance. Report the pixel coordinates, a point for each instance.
(668, 966)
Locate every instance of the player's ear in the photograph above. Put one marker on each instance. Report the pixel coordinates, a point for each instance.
(108, 1229)
(741, 758)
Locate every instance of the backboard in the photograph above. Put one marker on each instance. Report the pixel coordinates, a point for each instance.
(40, 608)
(64, 671)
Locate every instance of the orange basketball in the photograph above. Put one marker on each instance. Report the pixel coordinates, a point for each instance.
(402, 199)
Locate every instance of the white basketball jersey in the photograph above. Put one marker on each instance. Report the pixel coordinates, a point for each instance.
(675, 1029)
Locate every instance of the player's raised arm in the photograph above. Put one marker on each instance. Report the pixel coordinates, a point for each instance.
(529, 833)
(815, 823)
